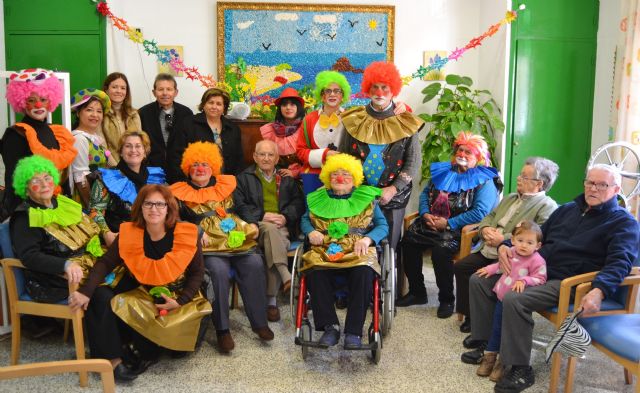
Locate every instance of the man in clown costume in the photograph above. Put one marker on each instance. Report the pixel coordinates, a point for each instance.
(34, 92)
(385, 141)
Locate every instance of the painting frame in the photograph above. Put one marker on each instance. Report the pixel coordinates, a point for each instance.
(228, 25)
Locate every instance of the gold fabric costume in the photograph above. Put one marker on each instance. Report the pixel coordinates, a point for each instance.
(363, 127)
(178, 330)
(317, 256)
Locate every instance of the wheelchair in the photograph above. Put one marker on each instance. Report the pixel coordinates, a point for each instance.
(382, 304)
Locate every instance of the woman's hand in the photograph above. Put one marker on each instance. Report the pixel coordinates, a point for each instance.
(483, 272)
(387, 194)
(400, 108)
(109, 237)
(504, 256)
(73, 272)
(204, 240)
(361, 247)
(256, 231)
(78, 301)
(492, 236)
(429, 219)
(519, 286)
(169, 303)
(440, 223)
(285, 173)
(316, 238)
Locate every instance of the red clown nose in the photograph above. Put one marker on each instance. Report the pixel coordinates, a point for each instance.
(38, 104)
(340, 179)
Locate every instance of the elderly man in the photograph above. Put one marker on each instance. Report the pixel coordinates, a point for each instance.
(592, 233)
(275, 203)
(159, 117)
(385, 141)
(529, 202)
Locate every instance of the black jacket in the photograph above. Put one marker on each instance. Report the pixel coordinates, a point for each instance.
(150, 118)
(249, 203)
(194, 129)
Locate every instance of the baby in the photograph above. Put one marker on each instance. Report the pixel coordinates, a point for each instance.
(528, 269)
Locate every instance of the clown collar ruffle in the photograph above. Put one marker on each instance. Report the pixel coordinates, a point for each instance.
(445, 178)
(120, 185)
(323, 205)
(225, 184)
(68, 212)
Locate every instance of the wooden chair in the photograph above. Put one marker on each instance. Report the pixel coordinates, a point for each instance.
(101, 366)
(21, 303)
(466, 241)
(623, 302)
(617, 336)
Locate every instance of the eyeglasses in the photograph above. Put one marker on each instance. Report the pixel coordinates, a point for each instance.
(527, 178)
(43, 181)
(158, 205)
(168, 119)
(334, 91)
(588, 184)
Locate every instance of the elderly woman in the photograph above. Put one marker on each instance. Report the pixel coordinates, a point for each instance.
(343, 225)
(158, 300)
(210, 125)
(115, 191)
(529, 202)
(285, 129)
(88, 106)
(207, 200)
(460, 192)
(50, 233)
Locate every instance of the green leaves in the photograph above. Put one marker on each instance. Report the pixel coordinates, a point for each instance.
(430, 92)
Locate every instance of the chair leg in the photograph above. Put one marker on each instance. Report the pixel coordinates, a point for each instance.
(555, 372)
(78, 338)
(571, 368)
(628, 378)
(15, 339)
(65, 335)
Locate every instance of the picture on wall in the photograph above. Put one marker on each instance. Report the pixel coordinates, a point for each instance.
(265, 47)
(175, 51)
(430, 57)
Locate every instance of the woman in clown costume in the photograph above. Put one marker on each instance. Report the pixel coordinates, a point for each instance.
(343, 224)
(206, 199)
(34, 92)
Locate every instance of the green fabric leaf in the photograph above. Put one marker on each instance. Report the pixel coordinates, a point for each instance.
(94, 248)
(67, 213)
(236, 239)
(338, 229)
(322, 205)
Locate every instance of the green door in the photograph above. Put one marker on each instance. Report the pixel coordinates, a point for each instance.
(62, 35)
(553, 60)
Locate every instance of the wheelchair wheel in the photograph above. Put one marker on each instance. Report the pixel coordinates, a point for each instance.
(375, 341)
(295, 285)
(388, 291)
(305, 330)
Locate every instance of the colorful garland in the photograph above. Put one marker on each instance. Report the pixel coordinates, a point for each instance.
(172, 58)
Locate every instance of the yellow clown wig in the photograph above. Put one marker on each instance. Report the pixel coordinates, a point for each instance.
(202, 152)
(345, 162)
(476, 144)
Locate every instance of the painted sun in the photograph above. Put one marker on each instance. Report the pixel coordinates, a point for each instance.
(373, 24)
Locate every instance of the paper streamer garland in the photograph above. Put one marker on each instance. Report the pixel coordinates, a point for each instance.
(164, 56)
(458, 52)
(172, 58)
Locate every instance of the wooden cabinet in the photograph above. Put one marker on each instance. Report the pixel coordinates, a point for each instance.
(250, 129)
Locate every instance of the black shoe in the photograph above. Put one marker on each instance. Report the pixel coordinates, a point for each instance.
(122, 374)
(473, 357)
(410, 299)
(469, 343)
(516, 380)
(141, 366)
(466, 326)
(341, 303)
(445, 310)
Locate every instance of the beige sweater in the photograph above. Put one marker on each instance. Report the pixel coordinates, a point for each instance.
(113, 127)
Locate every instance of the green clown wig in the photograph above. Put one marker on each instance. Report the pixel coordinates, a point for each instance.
(345, 162)
(27, 168)
(325, 78)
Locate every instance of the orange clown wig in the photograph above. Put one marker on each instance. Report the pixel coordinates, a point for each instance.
(382, 72)
(476, 144)
(202, 152)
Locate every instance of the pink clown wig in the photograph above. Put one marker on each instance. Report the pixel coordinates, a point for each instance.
(475, 143)
(34, 80)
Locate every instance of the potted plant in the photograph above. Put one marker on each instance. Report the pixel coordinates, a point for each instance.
(459, 109)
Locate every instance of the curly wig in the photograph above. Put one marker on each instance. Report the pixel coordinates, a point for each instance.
(27, 168)
(474, 142)
(34, 80)
(325, 78)
(382, 72)
(345, 162)
(202, 152)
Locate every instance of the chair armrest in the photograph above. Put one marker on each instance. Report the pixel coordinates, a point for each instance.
(13, 262)
(468, 233)
(408, 219)
(631, 280)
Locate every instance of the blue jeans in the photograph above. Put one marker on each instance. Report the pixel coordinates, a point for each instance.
(496, 330)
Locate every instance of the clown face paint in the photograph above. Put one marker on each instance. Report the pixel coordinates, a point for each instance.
(341, 182)
(40, 188)
(380, 96)
(200, 173)
(466, 158)
(37, 107)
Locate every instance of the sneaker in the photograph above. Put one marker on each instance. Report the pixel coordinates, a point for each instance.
(497, 372)
(473, 357)
(445, 310)
(487, 364)
(470, 343)
(351, 341)
(330, 337)
(516, 380)
(410, 300)
(466, 326)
